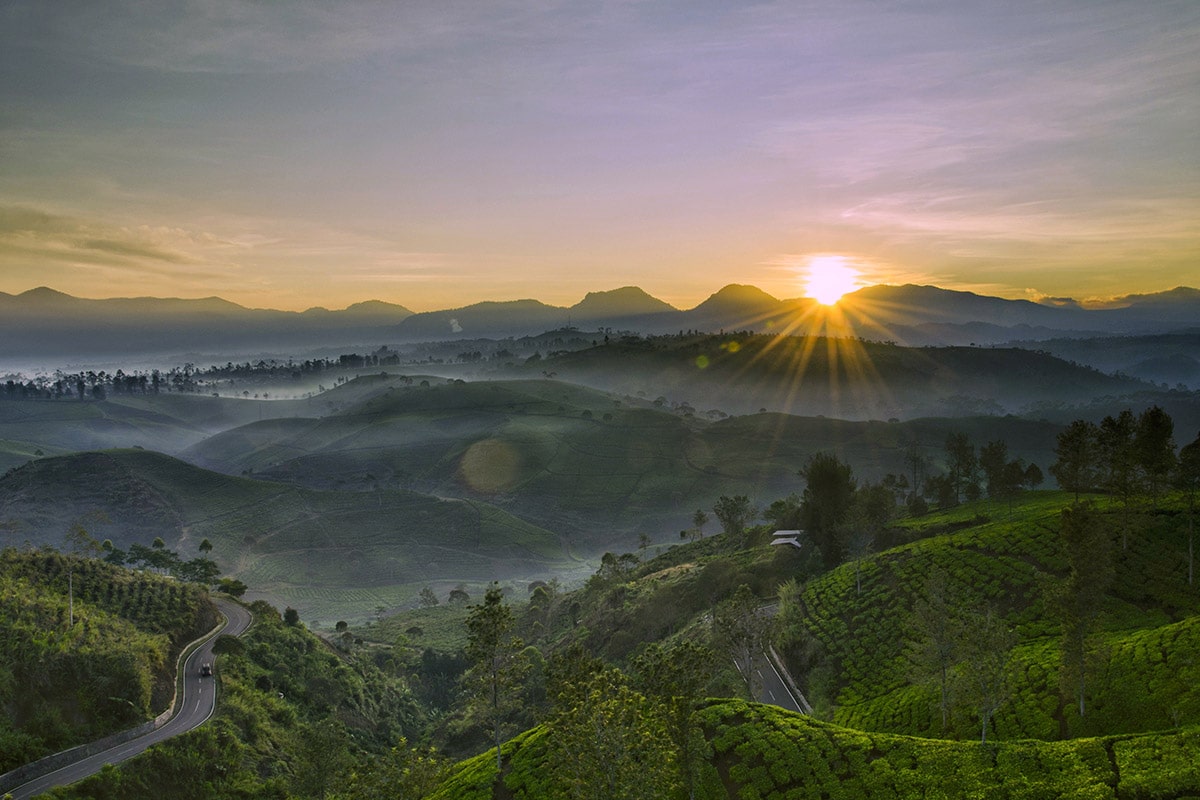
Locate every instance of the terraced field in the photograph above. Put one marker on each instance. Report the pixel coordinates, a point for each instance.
(1146, 648)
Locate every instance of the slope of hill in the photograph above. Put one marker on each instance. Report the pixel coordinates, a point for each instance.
(46, 323)
(324, 552)
(839, 378)
(592, 466)
(861, 614)
(112, 667)
(761, 751)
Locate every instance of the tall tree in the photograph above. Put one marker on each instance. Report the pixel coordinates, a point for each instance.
(497, 661)
(734, 514)
(993, 456)
(963, 466)
(79, 543)
(1119, 474)
(917, 466)
(827, 496)
(1154, 449)
(935, 637)
(1087, 545)
(986, 644)
(675, 677)
(1187, 479)
(609, 743)
(869, 512)
(1077, 468)
(742, 630)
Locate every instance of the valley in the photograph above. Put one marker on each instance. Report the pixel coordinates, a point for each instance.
(610, 500)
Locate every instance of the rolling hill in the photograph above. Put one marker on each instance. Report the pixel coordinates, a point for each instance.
(597, 468)
(846, 379)
(326, 553)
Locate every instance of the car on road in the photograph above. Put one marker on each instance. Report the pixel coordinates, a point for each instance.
(206, 670)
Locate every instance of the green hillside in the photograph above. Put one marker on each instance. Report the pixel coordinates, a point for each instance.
(113, 667)
(327, 553)
(854, 646)
(594, 466)
(296, 719)
(761, 752)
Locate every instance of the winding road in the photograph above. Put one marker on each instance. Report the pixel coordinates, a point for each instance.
(196, 704)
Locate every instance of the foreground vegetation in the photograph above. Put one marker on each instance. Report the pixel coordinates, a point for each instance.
(759, 752)
(86, 649)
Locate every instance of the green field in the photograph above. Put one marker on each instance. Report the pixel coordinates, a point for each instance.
(1147, 626)
(598, 468)
(329, 554)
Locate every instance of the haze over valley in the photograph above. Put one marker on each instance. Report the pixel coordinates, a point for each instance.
(599, 400)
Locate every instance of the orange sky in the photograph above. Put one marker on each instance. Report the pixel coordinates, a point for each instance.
(436, 154)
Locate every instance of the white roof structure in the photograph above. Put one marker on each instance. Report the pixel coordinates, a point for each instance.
(787, 537)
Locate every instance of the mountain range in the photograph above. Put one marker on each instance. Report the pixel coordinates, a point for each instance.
(46, 323)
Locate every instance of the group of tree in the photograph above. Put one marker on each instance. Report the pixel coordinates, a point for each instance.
(964, 646)
(971, 472)
(1133, 459)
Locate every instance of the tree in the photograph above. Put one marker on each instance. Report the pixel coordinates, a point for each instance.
(862, 523)
(497, 663)
(827, 496)
(1119, 474)
(1154, 449)
(404, 773)
(734, 514)
(785, 514)
(993, 457)
(232, 587)
(427, 598)
(1187, 479)
(608, 743)
(79, 542)
(986, 644)
(699, 520)
(323, 759)
(963, 466)
(1088, 549)
(742, 629)
(205, 546)
(675, 677)
(1077, 451)
(918, 466)
(935, 636)
(291, 617)
(1033, 477)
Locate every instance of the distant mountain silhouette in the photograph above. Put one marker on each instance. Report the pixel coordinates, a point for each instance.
(45, 322)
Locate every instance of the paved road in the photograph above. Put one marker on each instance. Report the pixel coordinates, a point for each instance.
(196, 705)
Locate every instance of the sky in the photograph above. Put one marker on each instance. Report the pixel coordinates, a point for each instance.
(436, 153)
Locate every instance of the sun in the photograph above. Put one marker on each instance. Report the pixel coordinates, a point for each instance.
(829, 278)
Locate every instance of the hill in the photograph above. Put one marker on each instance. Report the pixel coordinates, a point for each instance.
(79, 667)
(855, 626)
(327, 553)
(598, 468)
(43, 323)
(765, 752)
(842, 378)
